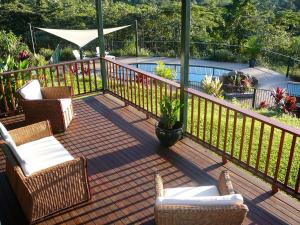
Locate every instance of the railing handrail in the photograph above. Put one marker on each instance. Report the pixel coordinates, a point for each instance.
(47, 66)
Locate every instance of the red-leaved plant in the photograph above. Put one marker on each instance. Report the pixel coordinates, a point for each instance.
(289, 103)
(263, 105)
(283, 102)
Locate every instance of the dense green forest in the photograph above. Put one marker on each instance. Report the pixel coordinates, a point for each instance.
(271, 24)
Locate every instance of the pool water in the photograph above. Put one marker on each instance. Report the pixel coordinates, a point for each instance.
(196, 73)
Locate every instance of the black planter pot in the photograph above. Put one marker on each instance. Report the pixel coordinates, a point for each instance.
(252, 63)
(168, 137)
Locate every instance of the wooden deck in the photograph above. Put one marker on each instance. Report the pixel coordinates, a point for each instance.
(123, 155)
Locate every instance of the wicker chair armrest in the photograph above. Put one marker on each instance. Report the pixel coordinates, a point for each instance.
(56, 92)
(224, 184)
(201, 214)
(159, 186)
(31, 132)
(58, 187)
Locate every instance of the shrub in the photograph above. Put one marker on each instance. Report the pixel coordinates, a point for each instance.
(10, 44)
(46, 52)
(163, 71)
(66, 54)
(38, 60)
(223, 55)
(237, 81)
(212, 86)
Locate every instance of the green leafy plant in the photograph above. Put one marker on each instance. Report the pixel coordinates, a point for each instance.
(252, 47)
(212, 86)
(163, 71)
(46, 52)
(169, 112)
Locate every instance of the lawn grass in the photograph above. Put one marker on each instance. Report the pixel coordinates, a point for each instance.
(248, 149)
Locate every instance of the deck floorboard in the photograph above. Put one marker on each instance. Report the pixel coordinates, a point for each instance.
(123, 155)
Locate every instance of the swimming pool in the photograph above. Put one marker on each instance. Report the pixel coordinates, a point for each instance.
(196, 73)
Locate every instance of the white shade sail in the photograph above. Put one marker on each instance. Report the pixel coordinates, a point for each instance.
(80, 37)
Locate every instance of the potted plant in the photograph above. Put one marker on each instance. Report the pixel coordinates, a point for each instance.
(252, 48)
(168, 129)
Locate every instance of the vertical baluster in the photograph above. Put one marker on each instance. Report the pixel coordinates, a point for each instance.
(71, 77)
(156, 97)
(16, 80)
(297, 182)
(30, 75)
(83, 76)
(166, 91)
(117, 80)
(127, 85)
(95, 74)
(211, 122)
(242, 137)
(233, 134)
(131, 91)
(23, 77)
(250, 141)
(119, 72)
(51, 76)
(115, 77)
(269, 150)
(3, 95)
(77, 77)
(151, 95)
(261, 134)
(89, 74)
(204, 122)
(64, 74)
(134, 82)
(147, 94)
(192, 115)
(124, 85)
(139, 94)
(219, 126)
(143, 91)
(57, 75)
(198, 117)
(170, 87)
(291, 156)
(160, 90)
(226, 130)
(11, 93)
(274, 188)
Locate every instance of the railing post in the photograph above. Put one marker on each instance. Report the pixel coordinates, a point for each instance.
(184, 58)
(99, 11)
(288, 67)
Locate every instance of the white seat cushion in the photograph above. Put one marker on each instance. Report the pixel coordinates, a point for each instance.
(188, 192)
(234, 199)
(31, 91)
(3, 131)
(65, 103)
(42, 154)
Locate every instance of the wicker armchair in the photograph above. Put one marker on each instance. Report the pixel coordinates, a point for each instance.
(54, 105)
(204, 214)
(49, 190)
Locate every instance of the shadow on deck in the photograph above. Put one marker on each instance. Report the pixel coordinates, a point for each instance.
(123, 155)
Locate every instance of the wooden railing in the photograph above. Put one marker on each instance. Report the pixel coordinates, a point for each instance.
(83, 76)
(262, 146)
